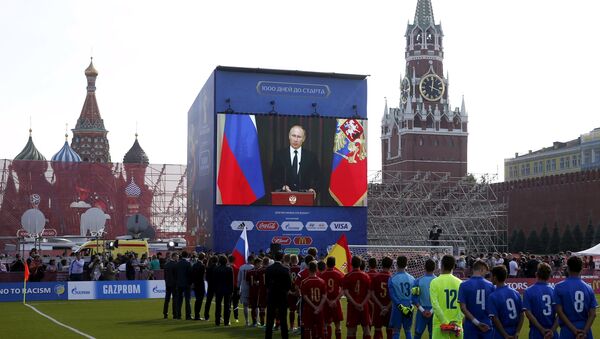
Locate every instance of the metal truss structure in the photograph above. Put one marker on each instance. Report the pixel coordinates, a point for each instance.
(404, 206)
(169, 203)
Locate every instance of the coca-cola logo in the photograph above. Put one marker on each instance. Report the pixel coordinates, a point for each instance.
(303, 240)
(282, 240)
(267, 226)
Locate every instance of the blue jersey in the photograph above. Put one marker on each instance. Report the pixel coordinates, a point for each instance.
(400, 286)
(576, 298)
(474, 294)
(422, 289)
(505, 304)
(539, 300)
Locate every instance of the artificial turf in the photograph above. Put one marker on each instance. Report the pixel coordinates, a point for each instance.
(126, 319)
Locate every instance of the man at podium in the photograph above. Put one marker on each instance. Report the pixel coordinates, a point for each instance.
(295, 169)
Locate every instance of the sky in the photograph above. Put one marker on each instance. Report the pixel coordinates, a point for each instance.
(527, 69)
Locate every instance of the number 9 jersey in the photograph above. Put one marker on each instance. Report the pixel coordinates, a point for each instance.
(505, 304)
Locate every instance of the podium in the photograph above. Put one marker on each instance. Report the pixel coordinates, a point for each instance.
(292, 198)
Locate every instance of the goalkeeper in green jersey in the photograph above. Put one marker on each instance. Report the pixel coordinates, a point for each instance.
(447, 317)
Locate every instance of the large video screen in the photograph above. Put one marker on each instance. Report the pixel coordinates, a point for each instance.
(291, 160)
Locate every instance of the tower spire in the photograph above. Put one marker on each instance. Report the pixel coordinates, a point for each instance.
(424, 14)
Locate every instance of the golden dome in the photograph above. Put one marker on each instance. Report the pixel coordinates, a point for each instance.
(91, 71)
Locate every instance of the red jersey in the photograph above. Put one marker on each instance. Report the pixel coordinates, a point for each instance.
(379, 286)
(314, 289)
(358, 285)
(301, 276)
(372, 274)
(333, 280)
(294, 270)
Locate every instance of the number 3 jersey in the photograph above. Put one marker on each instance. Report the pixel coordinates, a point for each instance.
(539, 300)
(505, 304)
(444, 300)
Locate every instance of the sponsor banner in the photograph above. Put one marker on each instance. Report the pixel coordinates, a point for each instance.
(35, 291)
(82, 290)
(341, 226)
(319, 226)
(521, 284)
(292, 226)
(282, 240)
(156, 289)
(267, 226)
(238, 225)
(122, 289)
(303, 240)
(291, 250)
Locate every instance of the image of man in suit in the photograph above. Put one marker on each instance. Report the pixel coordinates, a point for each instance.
(170, 285)
(295, 168)
(183, 272)
(278, 282)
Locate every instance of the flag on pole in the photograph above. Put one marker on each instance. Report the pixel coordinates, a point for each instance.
(341, 253)
(25, 278)
(348, 183)
(240, 177)
(240, 251)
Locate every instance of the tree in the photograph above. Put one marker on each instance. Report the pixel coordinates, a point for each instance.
(588, 239)
(512, 241)
(545, 240)
(520, 241)
(567, 243)
(554, 244)
(577, 238)
(533, 242)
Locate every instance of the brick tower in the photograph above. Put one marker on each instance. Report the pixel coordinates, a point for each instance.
(424, 133)
(89, 135)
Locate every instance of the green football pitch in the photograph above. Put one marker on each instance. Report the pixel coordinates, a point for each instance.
(124, 319)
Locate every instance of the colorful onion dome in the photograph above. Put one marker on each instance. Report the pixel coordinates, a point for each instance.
(66, 154)
(133, 190)
(30, 152)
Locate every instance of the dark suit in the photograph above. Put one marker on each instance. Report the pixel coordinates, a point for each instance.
(183, 273)
(282, 172)
(170, 287)
(223, 277)
(198, 279)
(210, 292)
(278, 283)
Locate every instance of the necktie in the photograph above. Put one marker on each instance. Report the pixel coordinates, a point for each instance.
(295, 163)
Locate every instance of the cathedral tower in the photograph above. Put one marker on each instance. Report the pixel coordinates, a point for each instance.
(89, 135)
(424, 133)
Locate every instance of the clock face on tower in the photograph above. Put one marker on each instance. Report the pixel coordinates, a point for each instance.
(431, 87)
(404, 90)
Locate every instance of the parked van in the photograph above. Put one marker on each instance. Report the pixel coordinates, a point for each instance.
(114, 247)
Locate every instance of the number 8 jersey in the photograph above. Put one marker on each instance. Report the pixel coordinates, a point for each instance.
(576, 298)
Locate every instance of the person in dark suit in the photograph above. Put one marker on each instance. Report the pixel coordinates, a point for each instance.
(278, 282)
(183, 273)
(210, 291)
(170, 284)
(198, 280)
(295, 168)
(223, 277)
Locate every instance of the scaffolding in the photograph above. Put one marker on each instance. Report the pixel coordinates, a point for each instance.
(403, 207)
(169, 203)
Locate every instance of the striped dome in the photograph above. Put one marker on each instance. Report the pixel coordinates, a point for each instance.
(66, 154)
(30, 152)
(133, 190)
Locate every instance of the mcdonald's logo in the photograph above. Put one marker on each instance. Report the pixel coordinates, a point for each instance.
(303, 240)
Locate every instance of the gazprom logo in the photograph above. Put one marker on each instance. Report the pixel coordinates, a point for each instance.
(76, 291)
(292, 226)
(156, 289)
(340, 226)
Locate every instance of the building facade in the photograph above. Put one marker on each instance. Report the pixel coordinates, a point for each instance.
(424, 133)
(581, 154)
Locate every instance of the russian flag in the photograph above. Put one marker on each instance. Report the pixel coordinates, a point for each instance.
(240, 251)
(348, 182)
(240, 178)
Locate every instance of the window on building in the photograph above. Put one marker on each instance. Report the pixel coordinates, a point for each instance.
(553, 165)
(574, 161)
(596, 155)
(548, 166)
(527, 169)
(535, 168)
(562, 163)
(568, 162)
(587, 157)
